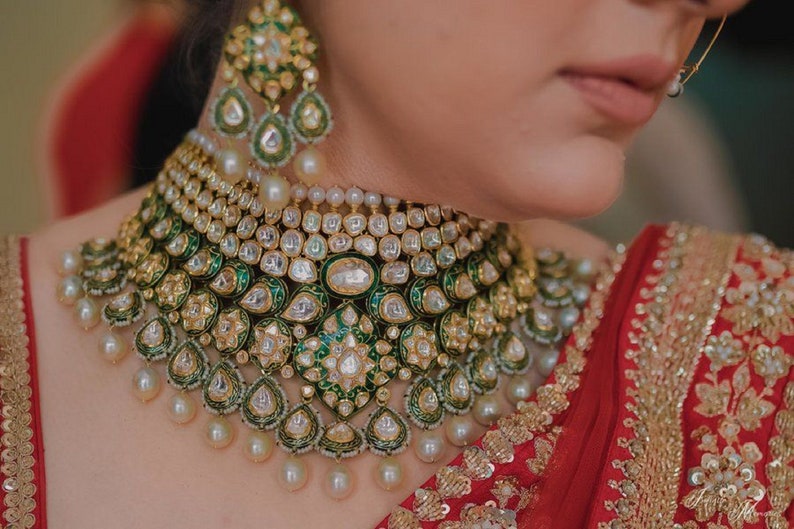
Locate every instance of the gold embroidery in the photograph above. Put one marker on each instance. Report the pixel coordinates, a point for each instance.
(16, 470)
(779, 470)
(534, 418)
(674, 319)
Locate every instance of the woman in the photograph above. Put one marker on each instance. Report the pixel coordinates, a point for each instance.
(348, 326)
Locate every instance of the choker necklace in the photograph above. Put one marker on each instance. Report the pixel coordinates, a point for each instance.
(346, 292)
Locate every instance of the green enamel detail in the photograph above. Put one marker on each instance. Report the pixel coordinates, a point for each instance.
(345, 361)
(156, 339)
(123, 309)
(138, 251)
(232, 279)
(104, 281)
(230, 330)
(184, 245)
(270, 344)
(310, 117)
(419, 347)
(423, 404)
(504, 301)
(512, 354)
(341, 439)
(350, 275)
(151, 270)
(483, 372)
(98, 252)
(455, 389)
(205, 263)
(307, 305)
(172, 290)
(153, 210)
(266, 296)
(453, 332)
(187, 366)
(427, 298)
(223, 388)
(264, 404)
(231, 113)
(299, 430)
(481, 270)
(387, 305)
(386, 432)
(540, 326)
(198, 312)
(166, 228)
(555, 293)
(272, 143)
(457, 284)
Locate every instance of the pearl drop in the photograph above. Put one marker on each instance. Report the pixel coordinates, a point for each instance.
(309, 166)
(459, 430)
(181, 408)
(581, 293)
(371, 199)
(430, 446)
(316, 195)
(335, 196)
(311, 74)
(70, 289)
(293, 474)
(339, 482)
(299, 192)
(274, 192)
(71, 262)
(231, 165)
(546, 361)
(487, 410)
(585, 269)
(219, 432)
(258, 446)
(86, 313)
(568, 317)
(354, 196)
(146, 383)
(389, 473)
(675, 88)
(519, 388)
(112, 347)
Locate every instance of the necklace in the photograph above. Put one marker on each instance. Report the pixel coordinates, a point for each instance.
(344, 290)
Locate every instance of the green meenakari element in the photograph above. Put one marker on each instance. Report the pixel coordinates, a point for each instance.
(264, 404)
(199, 312)
(138, 251)
(98, 252)
(156, 339)
(512, 354)
(555, 293)
(166, 229)
(232, 279)
(205, 263)
(152, 269)
(340, 440)
(172, 290)
(423, 404)
(153, 210)
(231, 113)
(310, 117)
(270, 344)
(419, 347)
(350, 275)
(300, 429)
(386, 432)
(455, 389)
(307, 305)
(188, 366)
(481, 270)
(223, 388)
(104, 281)
(266, 296)
(124, 309)
(457, 284)
(483, 372)
(272, 143)
(538, 324)
(345, 361)
(453, 332)
(230, 331)
(387, 305)
(184, 245)
(427, 298)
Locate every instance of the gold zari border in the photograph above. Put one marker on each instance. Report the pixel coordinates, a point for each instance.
(16, 448)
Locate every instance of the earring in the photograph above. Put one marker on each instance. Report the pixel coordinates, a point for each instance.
(676, 86)
(274, 54)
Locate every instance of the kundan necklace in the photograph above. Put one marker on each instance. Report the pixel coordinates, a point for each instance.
(237, 281)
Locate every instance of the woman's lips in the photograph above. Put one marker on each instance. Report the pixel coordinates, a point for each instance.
(614, 97)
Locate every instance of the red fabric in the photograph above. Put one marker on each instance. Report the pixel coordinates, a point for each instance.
(40, 511)
(93, 133)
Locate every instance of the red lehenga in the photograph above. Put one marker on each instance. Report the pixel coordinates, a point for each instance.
(672, 405)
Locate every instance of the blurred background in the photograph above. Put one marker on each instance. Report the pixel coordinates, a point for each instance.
(720, 155)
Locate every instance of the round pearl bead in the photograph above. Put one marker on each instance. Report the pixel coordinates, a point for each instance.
(258, 446)
(487, 410)
(181, 408)
(311, 74)
(71, 262)
(459, 430)
(231, 165)
(389, 473)
(430, 446)
(568, 317)
(309, 166)
(354, 196)
(339, 482)
(581, 293)
(519, 388)
(391, 201)
(372, 200)
(274, 192)
(585, 269)
(546, 361)
(316, 195)
(112, 347)
(293, 474)
(298, 192)
(146, 383)
(219, 432)
(70, 289)
(86, 313)
(335, 196)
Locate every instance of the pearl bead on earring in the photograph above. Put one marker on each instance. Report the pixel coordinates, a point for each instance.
(676, 87)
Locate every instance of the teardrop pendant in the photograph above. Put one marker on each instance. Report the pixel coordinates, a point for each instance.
(272, 143)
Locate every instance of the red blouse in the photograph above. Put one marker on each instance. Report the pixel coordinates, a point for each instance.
(672, 404)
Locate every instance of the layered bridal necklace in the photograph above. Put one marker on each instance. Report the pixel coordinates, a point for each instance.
(235, 280)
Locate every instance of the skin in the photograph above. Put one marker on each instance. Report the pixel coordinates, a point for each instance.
(503, 136)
